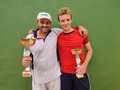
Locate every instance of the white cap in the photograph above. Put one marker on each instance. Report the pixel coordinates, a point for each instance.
(44, 15)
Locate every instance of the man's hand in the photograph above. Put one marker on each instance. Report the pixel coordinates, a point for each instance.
(26, 61)
(81, 69)
(83, 31)
(31, 31)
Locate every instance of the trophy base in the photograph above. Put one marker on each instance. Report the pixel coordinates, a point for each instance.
(80, 76)
(26, 74)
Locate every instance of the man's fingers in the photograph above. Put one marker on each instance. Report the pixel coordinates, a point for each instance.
(85, 33)
(27, 59)
(31, 31)
(81, 33)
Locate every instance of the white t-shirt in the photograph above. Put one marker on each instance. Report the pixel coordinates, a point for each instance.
(46, 65)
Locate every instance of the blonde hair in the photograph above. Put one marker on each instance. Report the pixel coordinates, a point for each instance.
(63, 11)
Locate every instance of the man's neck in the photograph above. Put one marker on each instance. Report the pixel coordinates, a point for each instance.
(68, 31)
(41, 34)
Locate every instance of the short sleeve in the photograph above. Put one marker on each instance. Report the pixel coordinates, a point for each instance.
(86, 40)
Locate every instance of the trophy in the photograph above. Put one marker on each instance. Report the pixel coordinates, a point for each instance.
(77, 52)
(27, 42)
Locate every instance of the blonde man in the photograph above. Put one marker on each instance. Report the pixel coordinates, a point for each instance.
(70, 39)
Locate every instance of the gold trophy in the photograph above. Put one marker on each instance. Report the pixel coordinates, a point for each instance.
(27, 42)
(77, 52)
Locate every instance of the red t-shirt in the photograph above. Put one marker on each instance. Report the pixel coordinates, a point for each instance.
(66, 42)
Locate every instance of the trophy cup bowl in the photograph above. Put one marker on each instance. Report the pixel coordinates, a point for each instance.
(27, 42)
(76, 52)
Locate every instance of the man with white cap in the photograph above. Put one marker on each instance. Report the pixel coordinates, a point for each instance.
(46, 70)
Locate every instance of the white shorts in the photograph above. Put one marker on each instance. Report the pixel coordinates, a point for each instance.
(53, 85)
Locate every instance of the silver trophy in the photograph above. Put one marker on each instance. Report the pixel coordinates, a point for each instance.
(77, 52)
(27, 42)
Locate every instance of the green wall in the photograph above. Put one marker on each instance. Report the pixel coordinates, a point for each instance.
(100, 17)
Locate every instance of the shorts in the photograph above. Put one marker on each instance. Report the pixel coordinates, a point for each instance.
(71, 82)
(52, 85)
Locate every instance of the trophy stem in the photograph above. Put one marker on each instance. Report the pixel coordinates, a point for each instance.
(77, 60)
(27, 71)
(78, 65)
